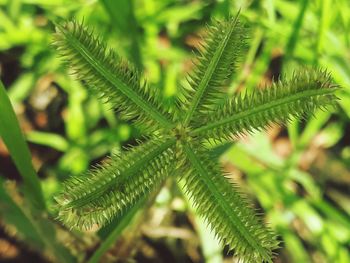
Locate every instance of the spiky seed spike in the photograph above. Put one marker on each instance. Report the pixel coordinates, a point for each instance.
(111, 77)
(298, 97)
(115, 185)
(215, 67)
(228, 214)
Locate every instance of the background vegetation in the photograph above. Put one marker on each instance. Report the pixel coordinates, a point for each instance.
(298, 176)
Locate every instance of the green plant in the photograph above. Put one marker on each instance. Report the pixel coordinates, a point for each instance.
(176, 136)
(30, 215)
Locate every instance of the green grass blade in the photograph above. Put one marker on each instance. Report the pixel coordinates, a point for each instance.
(37, 231)
(51, 140)
(119, 224)
(13, 138)
(14, 215)
(325, 16)
(294, 36)
(122, 16)
(33, 221)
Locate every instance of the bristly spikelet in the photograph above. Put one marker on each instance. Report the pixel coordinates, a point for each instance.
(108, 189)
(110, 77)
(114, 187)
(225, 209)
(217, 63)
(298, 97)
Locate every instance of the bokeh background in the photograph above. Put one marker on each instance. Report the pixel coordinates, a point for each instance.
(298, 175)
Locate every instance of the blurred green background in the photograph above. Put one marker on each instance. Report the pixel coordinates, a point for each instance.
(298, 176)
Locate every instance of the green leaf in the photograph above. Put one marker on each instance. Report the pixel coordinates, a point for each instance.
(33, 224)
(119, 223)
(294, 36)
(52, 140)
(123, 19)
(15, 143)
(14, 215)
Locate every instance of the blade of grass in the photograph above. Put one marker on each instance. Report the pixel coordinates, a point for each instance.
(122, 17)
(271, 12)
(343, 9)
(15, 143)
(313, 126)
(35, 229)
(293, 133)
(260, 65)
(13, 214)
(293, 38)
(33, 214)
(112, 232)
(294, 246)
(322, 28)
(51, 140)
(293, 127)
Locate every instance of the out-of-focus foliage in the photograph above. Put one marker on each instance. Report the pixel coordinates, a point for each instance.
(300, 175)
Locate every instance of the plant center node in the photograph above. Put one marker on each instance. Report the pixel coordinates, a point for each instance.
(180, 132)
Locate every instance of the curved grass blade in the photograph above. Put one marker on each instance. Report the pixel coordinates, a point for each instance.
(119, 224)
(32, 216)
(13, 138)
(14, 215)
(122, 16)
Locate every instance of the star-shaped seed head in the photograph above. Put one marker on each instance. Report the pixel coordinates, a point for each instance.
(173, 146)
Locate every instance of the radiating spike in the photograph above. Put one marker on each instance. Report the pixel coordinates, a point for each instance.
(287, 100)
(226, 211)
(103, 187)
(114, 79)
